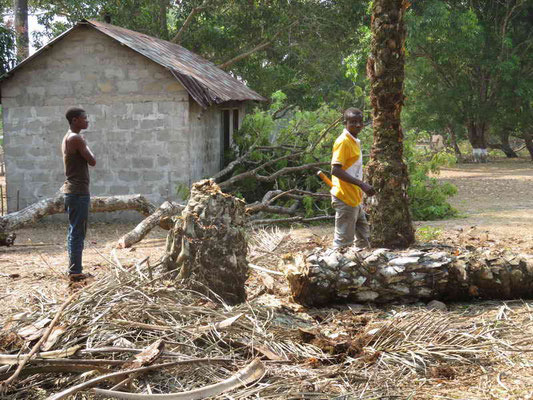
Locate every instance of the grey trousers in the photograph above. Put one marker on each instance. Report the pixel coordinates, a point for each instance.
(350, 223)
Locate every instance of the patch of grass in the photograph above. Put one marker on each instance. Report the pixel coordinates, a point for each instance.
(427, 233)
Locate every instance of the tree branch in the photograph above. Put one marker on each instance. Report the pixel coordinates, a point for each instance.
(294, 219)
(242, 56)
(177, 38)
(287, 170)
(253, 172)
(257, 48)
(231, 166)
(271, 196)
(56, 205)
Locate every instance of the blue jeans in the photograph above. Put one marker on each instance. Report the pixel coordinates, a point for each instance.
(77, 207)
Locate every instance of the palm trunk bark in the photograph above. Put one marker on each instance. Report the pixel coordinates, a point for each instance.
(207, 246)
(391, 224)
(382, 276)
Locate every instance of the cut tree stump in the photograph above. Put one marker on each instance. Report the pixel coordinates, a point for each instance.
(207, 244)
(382, 276)
(55, 205)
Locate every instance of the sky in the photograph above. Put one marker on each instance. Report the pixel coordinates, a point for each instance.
(33, 26)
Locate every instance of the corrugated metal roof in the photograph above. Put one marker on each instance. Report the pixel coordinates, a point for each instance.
(204, 81)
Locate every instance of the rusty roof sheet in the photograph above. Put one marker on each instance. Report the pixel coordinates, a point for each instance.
(204, 81)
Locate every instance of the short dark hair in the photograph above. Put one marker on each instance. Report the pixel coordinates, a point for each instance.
(74, 112)
(352, 112)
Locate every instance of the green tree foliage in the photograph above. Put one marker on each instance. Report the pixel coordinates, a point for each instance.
(470, 65)
(7, 39)
(274, 138)
(299, 130)
(305, 41)
(427, 196)
(140, 15)
(7, 48)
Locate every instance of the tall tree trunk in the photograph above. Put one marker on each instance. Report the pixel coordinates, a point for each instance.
(477, 135)
(504, 146)
(453, 142)
(391, 224)
(528, 137)
(21, 29)
(163, 8)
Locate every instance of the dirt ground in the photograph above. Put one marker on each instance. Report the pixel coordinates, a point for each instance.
(495, 202)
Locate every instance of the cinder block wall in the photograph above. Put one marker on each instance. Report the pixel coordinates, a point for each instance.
(142, 128)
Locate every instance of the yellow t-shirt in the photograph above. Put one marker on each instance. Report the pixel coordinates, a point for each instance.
(347, 154)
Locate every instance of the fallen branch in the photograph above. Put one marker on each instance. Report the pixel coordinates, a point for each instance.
(167, 209)
(113, 376)
(55, 205)
(6, 383)
(254, 173)
(231, 166)
(324, 132)
(294, 219)
(62, 368)
(12, 359)
(251, 373)
(273, 195)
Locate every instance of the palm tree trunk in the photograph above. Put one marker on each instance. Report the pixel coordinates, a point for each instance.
(207, 246)
(391, 224)
(382, 276)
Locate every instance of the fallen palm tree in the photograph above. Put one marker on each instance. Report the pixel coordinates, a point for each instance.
(113, 332)
(383, 276)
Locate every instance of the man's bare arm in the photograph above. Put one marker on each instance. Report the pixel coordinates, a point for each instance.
(345, 176)
(79, 144)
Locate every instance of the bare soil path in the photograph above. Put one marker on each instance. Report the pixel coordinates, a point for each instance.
(496, 198)
(495, 201)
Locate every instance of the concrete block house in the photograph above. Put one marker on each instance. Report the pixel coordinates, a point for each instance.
(159, 115)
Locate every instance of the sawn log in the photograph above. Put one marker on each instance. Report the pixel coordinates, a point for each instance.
(382, 276)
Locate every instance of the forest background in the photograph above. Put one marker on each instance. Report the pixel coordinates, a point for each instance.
(469, 78)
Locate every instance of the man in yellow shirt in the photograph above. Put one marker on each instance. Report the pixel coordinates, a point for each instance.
(348, 186)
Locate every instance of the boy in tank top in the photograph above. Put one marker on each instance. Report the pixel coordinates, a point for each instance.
(76, 158)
